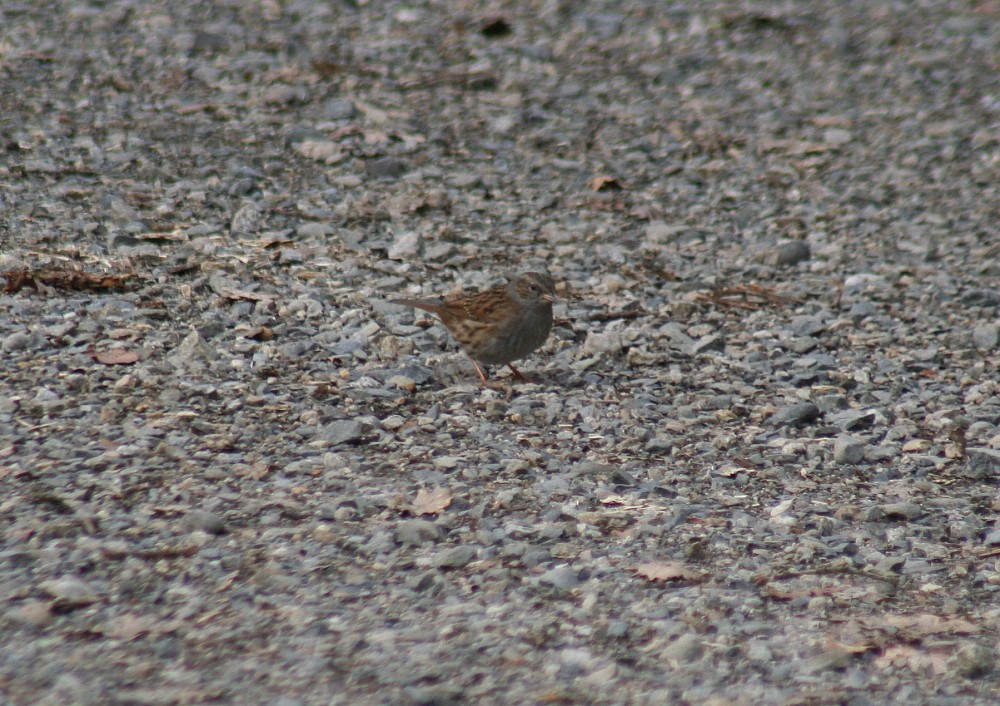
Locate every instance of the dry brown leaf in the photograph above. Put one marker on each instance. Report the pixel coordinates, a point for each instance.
(430, 502)
(667, 571)
(115, 356)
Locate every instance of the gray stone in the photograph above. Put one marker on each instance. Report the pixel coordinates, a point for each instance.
(986, 336)
(808, 325)
(387, 168)
(855, 419)
(791, 253)
(689, 647)
(589, 466)
(981, 462)
(848, 450)
(676, 337)
(313, 229)
(709, 342)
(865, 282)
(406, 245)
(862, 309)
(617, 629)
(603, 342)
(192, 352)
(660, 232)
(416, 532)
(36, 614)
(465, 180)
(248, 219)
(19, 341)
(974, 661)
(344, 431)
(989, 298)
(455, 558)
(798, 414)
(284, 94)
(339, 109)
(901, 511)
(802, 345)
(205, 521)
(890, 566)
(881, 453)
(70, 591)
(561, 577)
(837, 136)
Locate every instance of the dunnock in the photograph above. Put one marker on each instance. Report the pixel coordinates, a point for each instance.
(499, 325)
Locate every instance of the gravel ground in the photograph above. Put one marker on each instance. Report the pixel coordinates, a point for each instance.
(760, 466)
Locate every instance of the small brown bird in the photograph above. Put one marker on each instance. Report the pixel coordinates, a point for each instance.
(499, 325)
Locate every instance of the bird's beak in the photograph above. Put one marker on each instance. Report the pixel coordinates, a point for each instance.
(548, 298)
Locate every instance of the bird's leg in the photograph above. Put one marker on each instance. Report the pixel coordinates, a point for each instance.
(519, 376)
(479, 372)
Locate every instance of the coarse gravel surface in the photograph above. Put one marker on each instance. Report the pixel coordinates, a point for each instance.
(760, 464)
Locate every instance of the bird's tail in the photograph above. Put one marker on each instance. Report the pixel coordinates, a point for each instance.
(418, 304)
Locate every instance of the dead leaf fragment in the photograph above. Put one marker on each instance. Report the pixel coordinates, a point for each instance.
(430, 502)
(667, 571)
